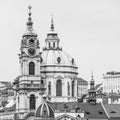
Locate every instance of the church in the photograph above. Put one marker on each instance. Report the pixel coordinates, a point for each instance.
(47, 85)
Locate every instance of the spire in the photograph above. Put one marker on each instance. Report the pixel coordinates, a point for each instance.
(29, 23)
(29, 30)
(92, 81)
(52, 40)
(92, 91)
(92, 75)
(52, 24)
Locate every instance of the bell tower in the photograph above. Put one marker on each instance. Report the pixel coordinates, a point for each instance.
(30, 86)
(30, 55)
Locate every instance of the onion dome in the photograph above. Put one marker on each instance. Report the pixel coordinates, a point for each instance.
(44, 111)
(29, 30)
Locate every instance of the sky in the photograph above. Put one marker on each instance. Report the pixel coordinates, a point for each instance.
(89, 31)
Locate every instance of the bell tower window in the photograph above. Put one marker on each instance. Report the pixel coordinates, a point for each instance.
(59, 88)
(31, 68)
(32, 102)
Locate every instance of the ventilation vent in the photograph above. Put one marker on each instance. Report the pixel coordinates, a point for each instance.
(112, 112)
(100, 112)
(87, 112)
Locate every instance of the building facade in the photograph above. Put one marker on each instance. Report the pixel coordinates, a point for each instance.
(46, 88)
(51, 72)
(111, 82)
(82, 87)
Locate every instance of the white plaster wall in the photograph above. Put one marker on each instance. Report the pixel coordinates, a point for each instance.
(65, 79)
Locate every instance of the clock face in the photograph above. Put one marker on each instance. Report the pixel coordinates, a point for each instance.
(31, 51)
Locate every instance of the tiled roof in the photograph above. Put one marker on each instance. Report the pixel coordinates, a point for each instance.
(61, 106)
(82, 80)
(12, 108)
(45, 111)
(91, 111)
(98, 85)
(113, 110)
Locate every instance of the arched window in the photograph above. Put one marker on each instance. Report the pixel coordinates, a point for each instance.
(53, 44)
(49, 44)
(31, 68)
(32, 101)
(59, 88)
(68, 86)
(72, 88)
(49, 88)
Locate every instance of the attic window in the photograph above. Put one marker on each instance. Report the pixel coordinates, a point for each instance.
(87, 112)
(45, 111)
(78, 108)
(112, 112)
(100, 112)
(65, 106)
(78, 116)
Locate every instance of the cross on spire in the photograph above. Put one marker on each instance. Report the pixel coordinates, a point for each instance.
(52, 24)
(91, 75)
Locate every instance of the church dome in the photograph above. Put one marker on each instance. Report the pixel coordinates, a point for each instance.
(56, 57)
(45, 111)
(52, 54)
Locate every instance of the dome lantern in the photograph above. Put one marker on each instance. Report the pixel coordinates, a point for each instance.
(52, 40)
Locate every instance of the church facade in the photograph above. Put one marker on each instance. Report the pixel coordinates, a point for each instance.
(47, 85)
(51, 72)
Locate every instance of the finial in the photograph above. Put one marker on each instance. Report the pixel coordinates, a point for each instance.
(29, 18)
(92, 75)
(29, 7)
(52, 24)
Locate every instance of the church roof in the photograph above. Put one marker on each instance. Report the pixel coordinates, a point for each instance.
(93, 111)
(90, 110)
(45, 111)
(57, 57)
(53, 55)
(8, 109)
(113, 110)
(82, 81)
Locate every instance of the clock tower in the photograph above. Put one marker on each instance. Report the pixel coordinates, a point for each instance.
(30, 85)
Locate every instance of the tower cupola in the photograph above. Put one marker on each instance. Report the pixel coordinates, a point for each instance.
(52, 40)
(92, 91)
(29, 30)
